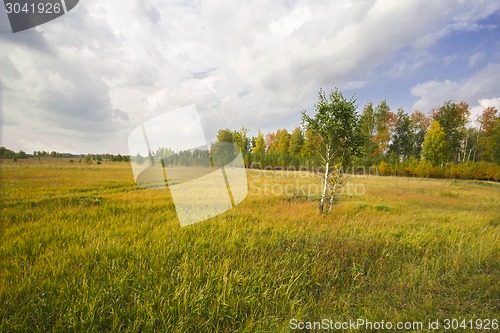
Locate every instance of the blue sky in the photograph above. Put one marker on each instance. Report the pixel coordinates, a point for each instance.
(455, 57)
(83, 82)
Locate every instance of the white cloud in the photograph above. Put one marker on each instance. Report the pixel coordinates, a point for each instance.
(92, 75)
(463, 18)
(479, 90)
(484, 103)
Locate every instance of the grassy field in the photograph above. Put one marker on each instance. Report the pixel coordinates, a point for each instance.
(83, 249)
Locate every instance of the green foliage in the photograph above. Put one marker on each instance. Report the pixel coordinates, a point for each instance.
(337, 123)
(402, 138)
(419, 125)
(10, 154)
(435, 146)
(384, 120)
(414, 168)
(296, 142)
(282, 142)
(195, 157)
(238, 137)
(367, 129)
(312, 144)
(453, 117)
(259, 146)
(489, 136)
(495, 139)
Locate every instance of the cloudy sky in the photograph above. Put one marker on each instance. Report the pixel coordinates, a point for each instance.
(83, 82)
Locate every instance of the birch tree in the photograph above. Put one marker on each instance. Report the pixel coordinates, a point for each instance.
(335, 120)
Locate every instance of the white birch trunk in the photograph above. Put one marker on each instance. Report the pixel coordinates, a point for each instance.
(325, 185)
(334, 189)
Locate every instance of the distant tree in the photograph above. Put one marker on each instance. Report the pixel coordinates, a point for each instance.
(487, 132)
(258, 150)
(337, 123)
(367, 129)
(259, 146)
(296, 142)
(384, 120)
(495, 150)
(453, 117)
(243, 142)
(282, 141)
(271, 143)
(226, 135)
(21, 154)
(435, 146)
(238, 137)
(401, 145)
(282, 145)
(312, 144)
(232, 136)
(6, 153)
(419, 125)
(469, 148)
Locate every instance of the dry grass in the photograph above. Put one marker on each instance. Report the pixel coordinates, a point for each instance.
(82, 248)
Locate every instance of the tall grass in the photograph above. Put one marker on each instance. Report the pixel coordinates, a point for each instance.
(83, 249)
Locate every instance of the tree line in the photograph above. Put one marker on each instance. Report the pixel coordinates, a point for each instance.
(445, 143)
(336, 136)
(6, 153)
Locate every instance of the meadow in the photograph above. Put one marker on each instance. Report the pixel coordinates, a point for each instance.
(82, 248)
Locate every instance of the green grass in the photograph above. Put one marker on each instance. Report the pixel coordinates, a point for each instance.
(83, 249)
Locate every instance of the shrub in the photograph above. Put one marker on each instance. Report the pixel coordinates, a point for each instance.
(384, 169)
(469, 170)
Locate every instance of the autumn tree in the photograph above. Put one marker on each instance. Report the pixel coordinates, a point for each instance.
(401, 145)
(295, 146)
(271, 143)
(453, 117)
(495, 149)
(337, 123)
(435, 146)
(419, 125)
(282, 141)
(259, 146)
(282, 145)
(488, 136)
(296, 142)
(238, 137)
(367, 130)
(384, 120)
(312, 143)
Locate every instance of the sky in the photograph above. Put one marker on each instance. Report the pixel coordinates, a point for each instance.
(82, 82)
